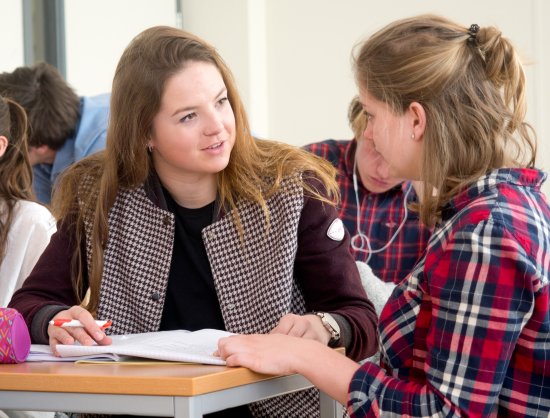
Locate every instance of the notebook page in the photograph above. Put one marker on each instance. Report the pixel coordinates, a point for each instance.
(178, 345)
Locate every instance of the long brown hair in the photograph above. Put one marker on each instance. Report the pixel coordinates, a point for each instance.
(148, 62)
(472, 86)
(15, 168)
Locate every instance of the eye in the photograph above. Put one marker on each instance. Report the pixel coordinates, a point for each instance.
(188, 117)
(222, 101)
(368, 116)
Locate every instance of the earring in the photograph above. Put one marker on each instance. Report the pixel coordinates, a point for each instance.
(150, 147)
(412, 136)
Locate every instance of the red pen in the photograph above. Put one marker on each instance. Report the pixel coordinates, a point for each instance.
(62, 322)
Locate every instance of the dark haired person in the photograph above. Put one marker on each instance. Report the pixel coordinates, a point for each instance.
(63, 127)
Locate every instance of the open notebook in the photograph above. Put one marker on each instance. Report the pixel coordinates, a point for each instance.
(179, 345)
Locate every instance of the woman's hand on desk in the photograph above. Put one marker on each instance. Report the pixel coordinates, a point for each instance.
(89, 334)
(269, 354)
(279, 354)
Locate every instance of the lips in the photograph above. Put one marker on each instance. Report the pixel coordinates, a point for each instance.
(215, 146)
(381, 182)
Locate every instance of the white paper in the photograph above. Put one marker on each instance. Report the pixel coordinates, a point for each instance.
(41, 352)
(179, 345)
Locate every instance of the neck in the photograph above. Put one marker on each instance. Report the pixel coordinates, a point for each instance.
(191, 193)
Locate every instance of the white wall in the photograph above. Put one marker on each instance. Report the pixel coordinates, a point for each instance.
(11, 39)
(541, 85)
(98, 31)
(96, 34)
(291, 58)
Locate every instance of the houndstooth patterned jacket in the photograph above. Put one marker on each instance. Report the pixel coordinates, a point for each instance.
(253, 278)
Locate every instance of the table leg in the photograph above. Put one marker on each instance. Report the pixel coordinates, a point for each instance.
(329, 407)
(188, 407)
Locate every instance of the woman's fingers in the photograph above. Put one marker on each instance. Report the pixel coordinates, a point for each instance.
(87, 334)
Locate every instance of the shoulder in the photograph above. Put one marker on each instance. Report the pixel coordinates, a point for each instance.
(32, 210)
(330, 149)
(306, 183)
(95, 115)
(524, 213)
(513, 207)
(505, 215)
(31, 215)
(99, 102)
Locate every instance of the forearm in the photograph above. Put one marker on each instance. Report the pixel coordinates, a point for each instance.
(280, 354)
(327, 369)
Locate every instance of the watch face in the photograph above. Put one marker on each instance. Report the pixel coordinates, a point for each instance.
(330, 324)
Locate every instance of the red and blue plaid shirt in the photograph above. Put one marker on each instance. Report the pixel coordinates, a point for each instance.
(468, 332)
(380, 216)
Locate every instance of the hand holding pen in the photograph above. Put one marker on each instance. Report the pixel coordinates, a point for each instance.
(76, 324)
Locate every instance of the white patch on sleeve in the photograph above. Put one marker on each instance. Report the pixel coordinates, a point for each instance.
(336, 230)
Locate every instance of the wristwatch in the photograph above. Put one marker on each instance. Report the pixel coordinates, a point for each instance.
(331, 326)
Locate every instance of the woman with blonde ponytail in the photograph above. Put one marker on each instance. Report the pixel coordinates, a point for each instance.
(467, 333)
(186, 221)
(25, 226)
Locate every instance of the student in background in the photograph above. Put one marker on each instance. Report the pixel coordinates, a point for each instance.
(384, 233)
(467, 333)
(64, 127)
(197, 225)
(25, 226)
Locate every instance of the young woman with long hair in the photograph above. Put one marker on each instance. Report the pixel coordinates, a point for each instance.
(187, 222)
(467, 332)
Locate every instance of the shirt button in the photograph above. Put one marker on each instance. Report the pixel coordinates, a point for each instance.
(230, 306)
(155, 296)
(166, 220)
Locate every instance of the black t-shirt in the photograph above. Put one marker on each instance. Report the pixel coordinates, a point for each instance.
(191, 300)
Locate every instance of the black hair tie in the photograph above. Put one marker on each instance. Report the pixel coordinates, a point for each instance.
(474, 29)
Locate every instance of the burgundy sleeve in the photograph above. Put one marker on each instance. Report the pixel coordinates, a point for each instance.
(48, 289)
(330, 281)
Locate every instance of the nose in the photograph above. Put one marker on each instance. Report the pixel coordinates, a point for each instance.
(213, 124)
(367, 132)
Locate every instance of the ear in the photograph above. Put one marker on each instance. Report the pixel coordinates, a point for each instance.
(418, 120)
(42, 149)
(3, 145)
(42, 154)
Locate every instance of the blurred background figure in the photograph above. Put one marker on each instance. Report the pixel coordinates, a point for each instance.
(63, 127)
(373, 203)
(25, 226)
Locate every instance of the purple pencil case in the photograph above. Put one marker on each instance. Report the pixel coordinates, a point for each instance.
(15, 341)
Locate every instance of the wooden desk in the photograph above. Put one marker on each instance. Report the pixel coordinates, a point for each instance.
(182, 391)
